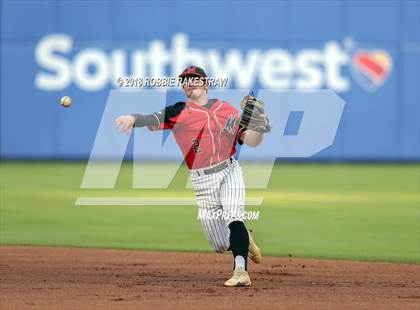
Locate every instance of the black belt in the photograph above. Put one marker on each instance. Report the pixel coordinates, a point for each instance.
(217, 168)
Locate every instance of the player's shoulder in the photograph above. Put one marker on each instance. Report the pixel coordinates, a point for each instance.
(228, 106)
(174, 109)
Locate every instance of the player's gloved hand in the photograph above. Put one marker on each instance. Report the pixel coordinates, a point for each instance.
(125, 123)
(253, 117)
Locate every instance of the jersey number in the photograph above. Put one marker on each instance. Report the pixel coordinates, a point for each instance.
(196, 146)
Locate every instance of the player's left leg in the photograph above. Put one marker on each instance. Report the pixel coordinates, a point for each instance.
(233, 202)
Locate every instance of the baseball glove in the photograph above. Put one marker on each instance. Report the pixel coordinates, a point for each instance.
(253, 117)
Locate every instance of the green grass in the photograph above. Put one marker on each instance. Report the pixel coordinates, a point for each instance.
(353, 211)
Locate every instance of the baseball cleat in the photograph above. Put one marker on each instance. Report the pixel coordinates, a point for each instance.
(254, 252)
(240, 278)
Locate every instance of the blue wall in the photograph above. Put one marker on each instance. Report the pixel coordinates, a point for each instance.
(380, 121)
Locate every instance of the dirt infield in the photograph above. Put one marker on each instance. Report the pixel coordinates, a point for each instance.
(72, 278)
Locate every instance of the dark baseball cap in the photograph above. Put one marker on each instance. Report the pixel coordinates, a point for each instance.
(193, 70)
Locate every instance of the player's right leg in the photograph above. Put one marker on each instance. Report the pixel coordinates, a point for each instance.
(207, 191)
(214, 227)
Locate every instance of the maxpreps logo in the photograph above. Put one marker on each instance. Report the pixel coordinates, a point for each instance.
(93, 68)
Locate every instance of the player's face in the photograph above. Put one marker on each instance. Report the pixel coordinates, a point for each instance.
(194, 89)
(195, 92)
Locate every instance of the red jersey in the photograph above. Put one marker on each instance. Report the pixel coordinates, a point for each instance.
(205, 134)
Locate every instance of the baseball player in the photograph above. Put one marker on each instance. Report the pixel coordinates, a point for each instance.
(207, 132)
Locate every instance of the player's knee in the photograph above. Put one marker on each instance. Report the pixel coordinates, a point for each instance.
(237, 226)
(220, 247)
(238, 232)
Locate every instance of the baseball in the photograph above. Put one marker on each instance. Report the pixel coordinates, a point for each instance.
(66, 101)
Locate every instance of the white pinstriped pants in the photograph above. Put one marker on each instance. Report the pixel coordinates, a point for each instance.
(216, 193)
